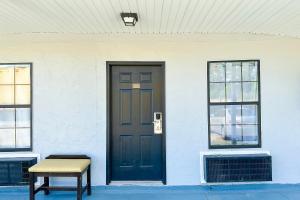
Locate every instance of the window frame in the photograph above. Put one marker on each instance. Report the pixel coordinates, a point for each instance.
(257, 103)
(22, 106)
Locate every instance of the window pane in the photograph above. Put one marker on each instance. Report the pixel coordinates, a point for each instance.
(22, 74)
(7, 138)
(15, 89)
(217, 72)
(233, 133)
(233, 92)
(249, 71)
(250, 133)
(233, 71)
(6, 94)
(249, 114)
(6, 74)
(23, 138)
(217, 115)
(22, 94)
(250, 91)
(23, 117)
(217, 135)
(217, 92)
(233, 114)
(241, 120)
(7, 117)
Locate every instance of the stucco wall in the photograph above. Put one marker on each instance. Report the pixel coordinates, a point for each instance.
(69, 97)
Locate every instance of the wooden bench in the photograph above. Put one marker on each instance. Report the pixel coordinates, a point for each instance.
(61, 166)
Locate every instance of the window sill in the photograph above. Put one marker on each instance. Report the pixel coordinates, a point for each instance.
(234, 146)
(19, 154)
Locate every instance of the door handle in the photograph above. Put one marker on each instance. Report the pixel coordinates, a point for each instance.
(157, 116)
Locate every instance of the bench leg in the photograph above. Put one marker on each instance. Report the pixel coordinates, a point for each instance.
(89, 191)
(79, 187)
(46, 183)
(31, 186)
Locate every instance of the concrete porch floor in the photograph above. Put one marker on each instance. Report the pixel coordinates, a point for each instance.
(229, 192)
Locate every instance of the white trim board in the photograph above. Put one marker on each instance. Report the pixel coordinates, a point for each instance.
(19, 155)
(136, 183)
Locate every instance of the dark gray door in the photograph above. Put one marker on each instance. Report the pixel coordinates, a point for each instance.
(136, 152)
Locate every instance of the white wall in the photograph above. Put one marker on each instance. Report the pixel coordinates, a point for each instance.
(69, 96)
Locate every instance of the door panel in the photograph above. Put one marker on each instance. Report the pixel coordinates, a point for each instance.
(125, 97)
(136, 152)
(146, 107)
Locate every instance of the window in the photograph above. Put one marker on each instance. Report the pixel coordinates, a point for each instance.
(234, 104)
(15, 107)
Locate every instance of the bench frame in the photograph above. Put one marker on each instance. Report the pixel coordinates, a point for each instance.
(46, 187)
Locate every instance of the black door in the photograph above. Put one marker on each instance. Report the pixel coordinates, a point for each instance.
(136, 151)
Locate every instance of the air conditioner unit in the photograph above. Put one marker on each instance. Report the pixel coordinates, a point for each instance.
(237, 168)
(14, 171)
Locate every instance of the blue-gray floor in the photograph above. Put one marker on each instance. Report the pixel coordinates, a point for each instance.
(234, 192)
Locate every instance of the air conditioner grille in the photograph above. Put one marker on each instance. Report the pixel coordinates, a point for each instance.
(14, 171)
(238, 168)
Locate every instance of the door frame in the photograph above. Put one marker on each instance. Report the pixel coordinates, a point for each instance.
(109, 65)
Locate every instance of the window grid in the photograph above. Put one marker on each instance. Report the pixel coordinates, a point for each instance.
(241, 103)
(16, 106)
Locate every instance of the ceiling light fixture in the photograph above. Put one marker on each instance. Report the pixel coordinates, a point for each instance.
(129, 19)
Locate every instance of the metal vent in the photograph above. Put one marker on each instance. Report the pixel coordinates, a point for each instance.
(238, 168)
(14, 171)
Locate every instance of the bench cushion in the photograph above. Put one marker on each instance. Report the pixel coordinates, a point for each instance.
(61, 165)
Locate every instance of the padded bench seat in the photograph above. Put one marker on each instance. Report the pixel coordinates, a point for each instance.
(61, 166)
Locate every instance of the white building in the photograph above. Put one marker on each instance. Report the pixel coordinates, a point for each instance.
(88, 95)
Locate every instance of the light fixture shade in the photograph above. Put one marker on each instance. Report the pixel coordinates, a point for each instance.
(129, 19)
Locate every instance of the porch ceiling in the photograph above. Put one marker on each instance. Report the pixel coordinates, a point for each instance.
(274, 17)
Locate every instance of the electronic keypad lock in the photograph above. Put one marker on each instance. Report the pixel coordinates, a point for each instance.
(157, 122)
